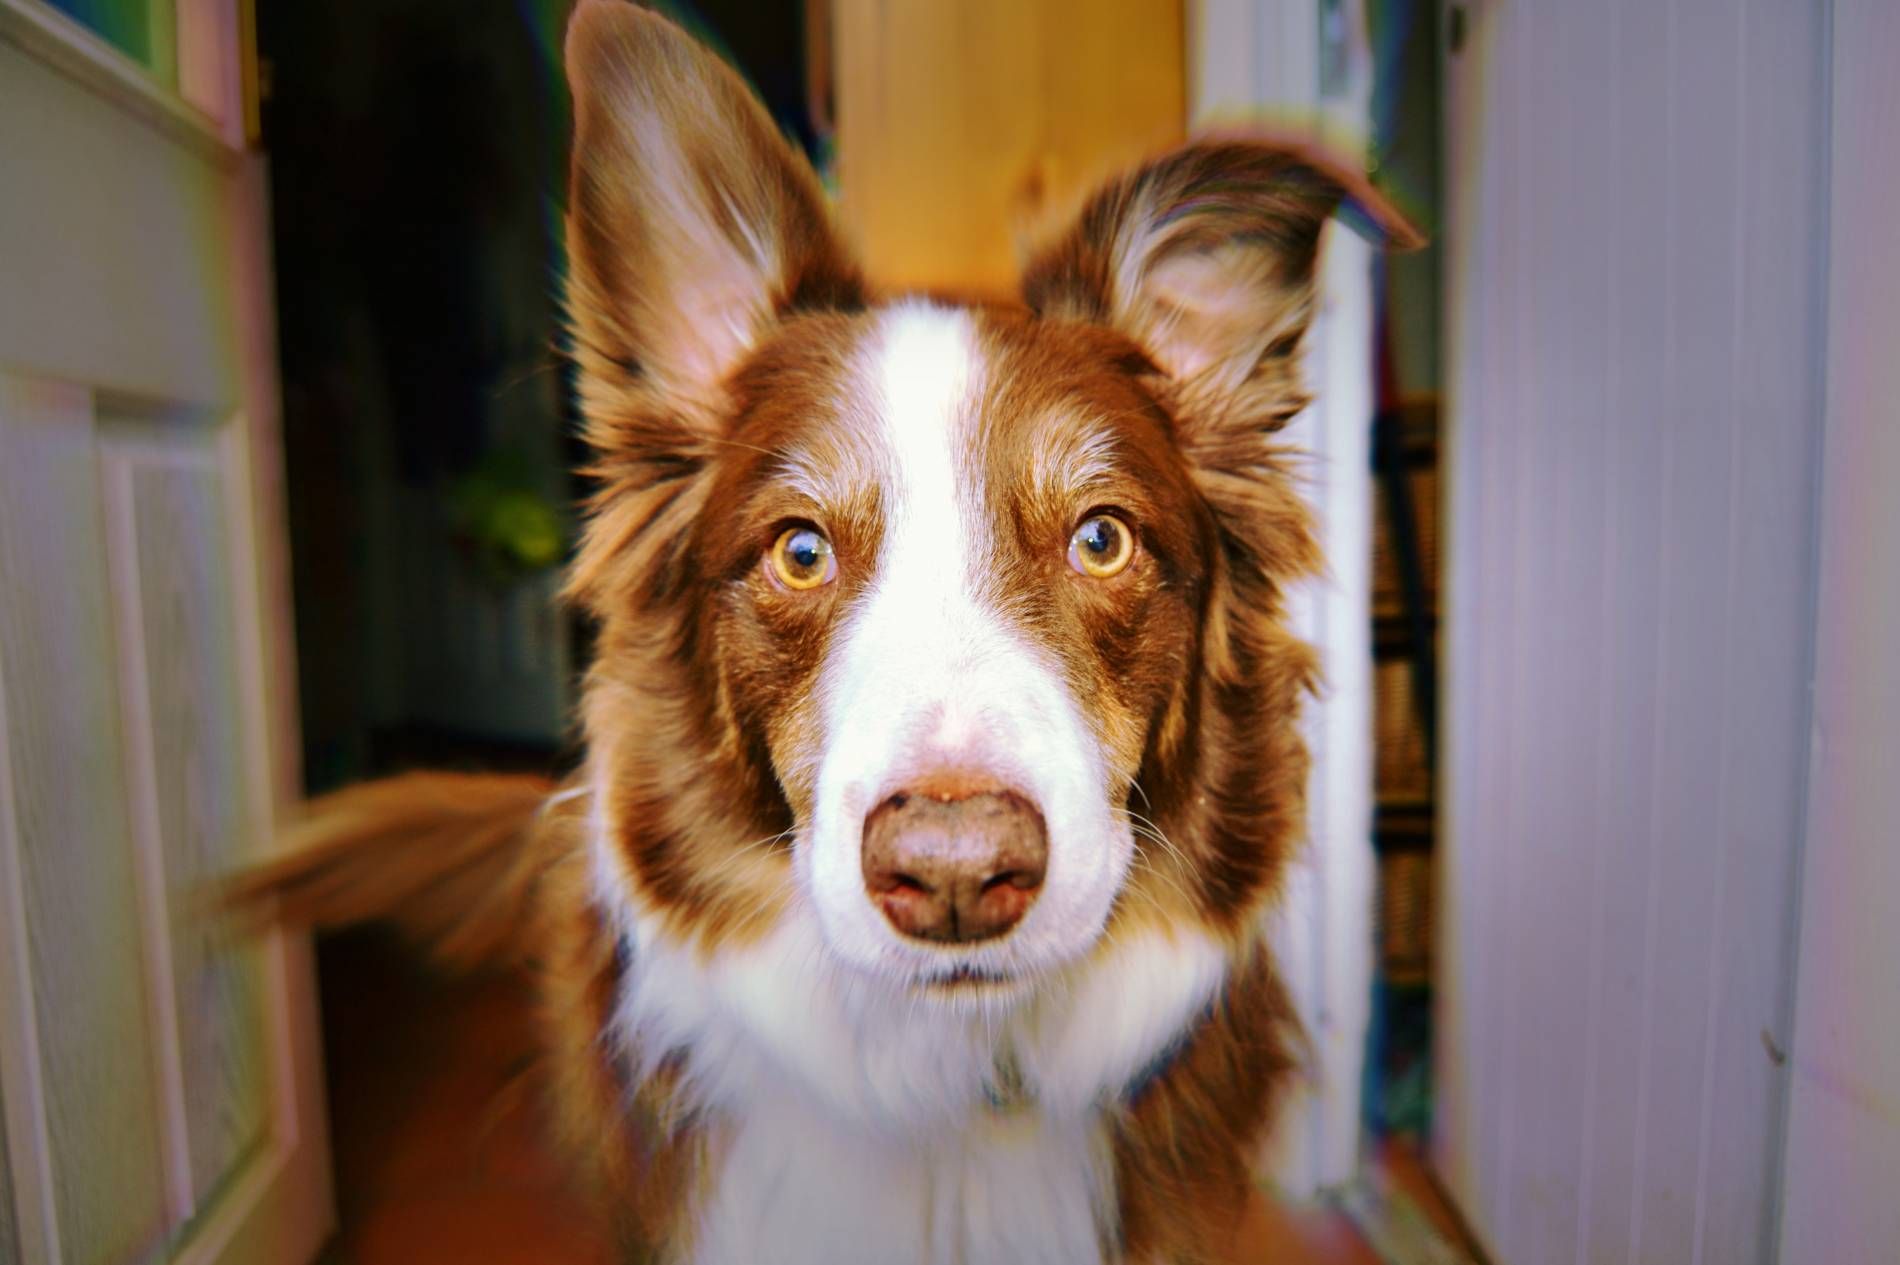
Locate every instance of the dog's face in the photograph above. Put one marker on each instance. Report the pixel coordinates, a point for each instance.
(959, 565)
(959, 626)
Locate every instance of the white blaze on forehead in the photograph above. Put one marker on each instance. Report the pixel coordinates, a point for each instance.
(920, 623)
(928, 373)
(926, 676)
(925, 608)
(922, 610)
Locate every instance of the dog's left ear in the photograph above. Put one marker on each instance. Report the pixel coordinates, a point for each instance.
(692, 225)
(1205, 258)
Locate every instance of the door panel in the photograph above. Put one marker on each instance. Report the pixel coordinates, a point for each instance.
(166, 508)
(160, 1080)
(167, 1069)
(118, 268)
(81, 935)
(1635, 275)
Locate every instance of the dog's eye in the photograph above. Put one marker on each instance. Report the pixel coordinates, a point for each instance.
(1101, 547)
(801, 558)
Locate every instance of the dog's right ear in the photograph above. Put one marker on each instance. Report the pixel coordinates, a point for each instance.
(692, 226)
(1206, 258)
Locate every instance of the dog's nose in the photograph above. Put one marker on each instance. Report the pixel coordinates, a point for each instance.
(954, 865)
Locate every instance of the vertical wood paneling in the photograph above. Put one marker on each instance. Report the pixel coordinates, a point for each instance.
(1642, 132)
(1635, 287)
(1843, 1143)
(1559, 567)
(1779, 191)
(1516, 239)
(82, 915)
(187, 618)
(960, 125)
(1687, 869)
(9, 1237)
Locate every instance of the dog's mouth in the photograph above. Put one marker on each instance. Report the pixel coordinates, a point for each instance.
(964, 979)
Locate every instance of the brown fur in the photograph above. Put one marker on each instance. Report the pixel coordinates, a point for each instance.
(715, 316)
(454, 860)
(483, 871)
(635, 1150)
(1182, 1163)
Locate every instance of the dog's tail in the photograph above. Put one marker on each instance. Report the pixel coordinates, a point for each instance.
(452, 860)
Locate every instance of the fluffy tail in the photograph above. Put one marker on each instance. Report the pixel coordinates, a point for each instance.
(451, 859)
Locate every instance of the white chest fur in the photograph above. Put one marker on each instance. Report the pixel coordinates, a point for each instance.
(857, 1122)
(792, 1188)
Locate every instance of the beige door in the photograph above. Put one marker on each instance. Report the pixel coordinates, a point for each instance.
(159, 1087)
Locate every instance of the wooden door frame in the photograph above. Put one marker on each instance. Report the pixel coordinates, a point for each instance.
(1254, 62)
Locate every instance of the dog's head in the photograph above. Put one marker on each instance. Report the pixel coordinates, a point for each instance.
(959, 627)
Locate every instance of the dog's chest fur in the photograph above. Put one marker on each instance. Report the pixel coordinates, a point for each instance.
(794, 1187)
(846, 1122)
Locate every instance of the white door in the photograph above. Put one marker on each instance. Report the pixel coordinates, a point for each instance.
(1636, 268)
(159, 1088)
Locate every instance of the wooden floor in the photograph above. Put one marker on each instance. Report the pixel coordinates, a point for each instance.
(438, 1149)
(439, 1154)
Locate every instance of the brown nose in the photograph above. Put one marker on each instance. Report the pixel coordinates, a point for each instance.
(954, 867)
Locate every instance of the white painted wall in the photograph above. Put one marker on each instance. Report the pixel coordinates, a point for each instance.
(1252, 63)
(1636, 297)
(1841, 1181)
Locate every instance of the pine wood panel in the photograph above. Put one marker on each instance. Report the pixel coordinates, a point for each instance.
(961, 124)
(82, 912)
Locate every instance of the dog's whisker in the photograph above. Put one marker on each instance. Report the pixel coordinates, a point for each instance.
(1163, 877)
(1148, 829)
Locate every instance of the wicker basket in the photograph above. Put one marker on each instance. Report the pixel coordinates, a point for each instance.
(1387, 595)
(1398, 743)
(1405, 917)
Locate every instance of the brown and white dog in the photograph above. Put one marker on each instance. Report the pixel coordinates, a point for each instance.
(942, 748)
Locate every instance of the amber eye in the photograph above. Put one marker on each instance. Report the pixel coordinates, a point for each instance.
(801, 558)
(1101, 547)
